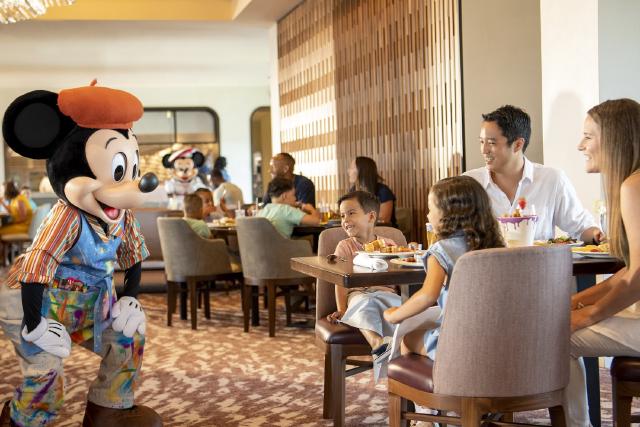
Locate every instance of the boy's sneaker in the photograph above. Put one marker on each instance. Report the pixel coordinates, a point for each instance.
(380, 359)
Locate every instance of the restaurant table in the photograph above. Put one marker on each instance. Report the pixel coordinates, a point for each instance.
(342, 273)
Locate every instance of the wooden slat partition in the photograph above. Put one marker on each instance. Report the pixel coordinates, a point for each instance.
(376, 78)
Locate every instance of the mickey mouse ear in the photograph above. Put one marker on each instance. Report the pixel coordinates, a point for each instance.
(33, 126)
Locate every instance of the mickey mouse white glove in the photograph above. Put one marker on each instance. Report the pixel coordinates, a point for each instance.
(128, 317)
(51, 336)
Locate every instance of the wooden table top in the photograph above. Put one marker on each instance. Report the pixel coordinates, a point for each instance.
(344, 273)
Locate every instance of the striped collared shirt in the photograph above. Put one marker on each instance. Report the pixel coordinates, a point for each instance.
(59, 232)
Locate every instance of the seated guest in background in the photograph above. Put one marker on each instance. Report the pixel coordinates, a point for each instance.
(18, 208)
(282, 211)
(363, 308)
(461, 215)
(26, 191)
(230, 193)
(221, 165)
(605, 319)
(281, 166)
(509, 175)
(363, 175)
(193, 214)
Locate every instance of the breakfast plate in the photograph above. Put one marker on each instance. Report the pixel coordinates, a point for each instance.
(593, 251)
(402, 262)
(379, 254)
(548, 243)
(590, 254)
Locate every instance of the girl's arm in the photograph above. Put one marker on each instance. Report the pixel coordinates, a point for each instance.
(424, 298)
(624, 287)
(593, 294)
(386, 209)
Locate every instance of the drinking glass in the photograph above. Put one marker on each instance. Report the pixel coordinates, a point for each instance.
(431, 234)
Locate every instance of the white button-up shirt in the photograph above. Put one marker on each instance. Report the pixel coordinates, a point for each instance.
(550, 191)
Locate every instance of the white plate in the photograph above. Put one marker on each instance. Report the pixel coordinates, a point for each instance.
(546, 243)
(404, 263)
(593, 254)
(386, 255)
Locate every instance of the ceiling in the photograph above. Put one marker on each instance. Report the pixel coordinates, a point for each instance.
(173, 10)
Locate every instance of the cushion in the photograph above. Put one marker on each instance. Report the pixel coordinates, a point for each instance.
(626, 369)
(338, 333)
(413, 370)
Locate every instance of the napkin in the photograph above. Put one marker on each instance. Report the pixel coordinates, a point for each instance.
(373, 263)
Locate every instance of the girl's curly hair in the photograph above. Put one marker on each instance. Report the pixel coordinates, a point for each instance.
(466, 207)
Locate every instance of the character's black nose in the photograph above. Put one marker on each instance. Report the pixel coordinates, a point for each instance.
(148, 182)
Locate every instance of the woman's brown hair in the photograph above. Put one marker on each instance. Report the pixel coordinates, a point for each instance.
(466, 207)
(619, 122)
(368, 177)
(10, 190)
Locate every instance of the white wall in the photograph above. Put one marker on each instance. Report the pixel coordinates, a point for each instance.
(224, 66)
(569, 34)
(619, 49)
(500, 65)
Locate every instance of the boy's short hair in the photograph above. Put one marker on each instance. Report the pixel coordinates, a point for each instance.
(192, 205)
(279, 186)
(367, 201)
(514, 123)
(203, 190)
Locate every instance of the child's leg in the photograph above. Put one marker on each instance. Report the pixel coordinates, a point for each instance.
(413, 342)
(119, 370)
(372, 338)
(40, 396)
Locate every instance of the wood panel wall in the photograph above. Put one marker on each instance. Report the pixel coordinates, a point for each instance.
(376, 78)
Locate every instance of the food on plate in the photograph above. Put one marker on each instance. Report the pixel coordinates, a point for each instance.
(375, 246)
(227, 221)
(562, 240)
(518, 228)
(410, 259)
(603, 248)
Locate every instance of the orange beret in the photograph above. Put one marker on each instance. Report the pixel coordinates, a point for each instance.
(100, 107)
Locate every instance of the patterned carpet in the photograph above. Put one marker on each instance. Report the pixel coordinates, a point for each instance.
(220, 376)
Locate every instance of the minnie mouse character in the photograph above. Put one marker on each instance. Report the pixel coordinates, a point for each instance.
(61, 290)
(184, 164)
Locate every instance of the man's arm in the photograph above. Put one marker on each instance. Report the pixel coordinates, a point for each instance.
(569, 214)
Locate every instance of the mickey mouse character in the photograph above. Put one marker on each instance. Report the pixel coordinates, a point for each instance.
(61, 290)
(184, 164)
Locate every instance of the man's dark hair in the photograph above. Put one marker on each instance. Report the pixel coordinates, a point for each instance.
(278, 186)
(367, 201)
(513, 121)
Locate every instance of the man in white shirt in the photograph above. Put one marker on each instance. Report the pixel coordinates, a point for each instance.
(232, 193)
(509, 175)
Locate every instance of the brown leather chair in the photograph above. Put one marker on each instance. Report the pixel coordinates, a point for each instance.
(265, 255)
(190, 259)
(504, 341)
(339, 341)
(625, 385)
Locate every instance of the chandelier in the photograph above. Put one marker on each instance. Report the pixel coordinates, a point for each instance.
(19, 10)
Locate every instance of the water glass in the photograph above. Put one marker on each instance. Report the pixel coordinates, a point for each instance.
(240, 213)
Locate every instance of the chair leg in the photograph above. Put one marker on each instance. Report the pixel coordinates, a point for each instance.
(255, 306)
(287, 304)
(326, 394)
(171, 301)
(397, 406)
(246, 305)
(207, 303)
(621, 405)
(470, 413)
(271, 298)
(556, 414)
(338, 366)
(183, 301)
(193, 301)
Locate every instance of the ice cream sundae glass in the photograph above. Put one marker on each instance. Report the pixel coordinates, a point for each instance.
(519, 228)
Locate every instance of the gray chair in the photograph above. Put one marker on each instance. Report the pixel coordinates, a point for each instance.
(17, 242)
(190, 259)
(504, 341)
(265, 256)
(339, 341)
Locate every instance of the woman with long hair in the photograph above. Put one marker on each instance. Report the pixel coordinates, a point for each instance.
(19, 210)
(363, 176)
(605, 319)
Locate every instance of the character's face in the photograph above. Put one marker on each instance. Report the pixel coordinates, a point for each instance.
(184, 169)
(355, 221)
(353, 172)
(115, 162)
(495, 149)
(590, 145)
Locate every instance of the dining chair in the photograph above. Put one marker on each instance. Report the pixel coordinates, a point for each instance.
(265, 255)
(340, 342)
(13, 243)
(192, 260)
(625, 385)
(504, 341)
